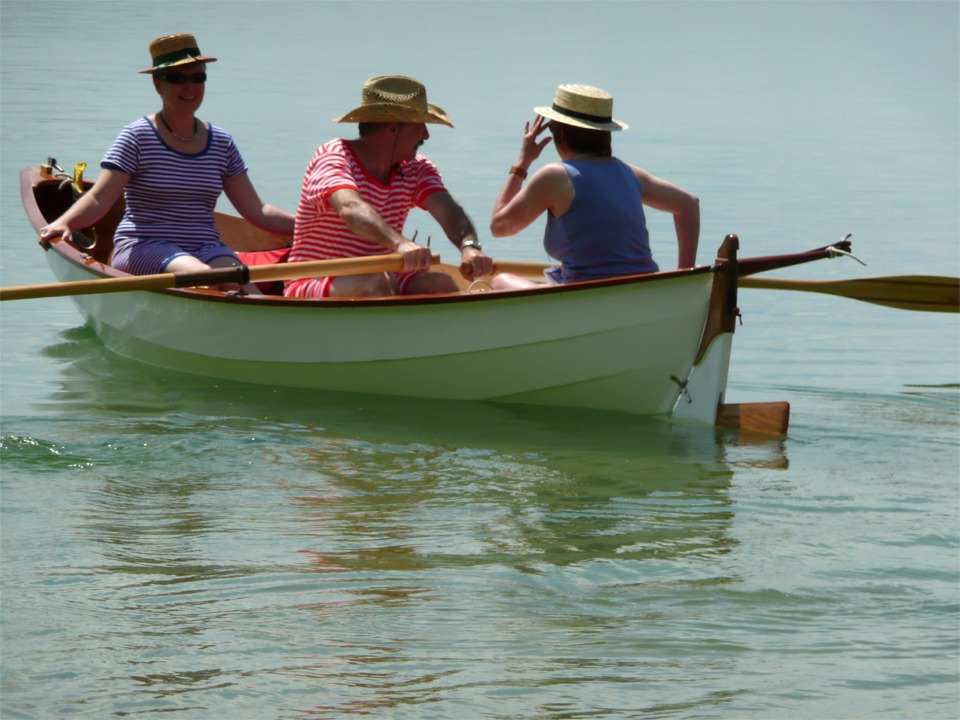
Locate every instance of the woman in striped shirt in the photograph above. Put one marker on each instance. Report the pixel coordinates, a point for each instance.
(172, 168)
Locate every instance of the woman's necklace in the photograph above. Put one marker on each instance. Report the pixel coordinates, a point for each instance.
(181, 138)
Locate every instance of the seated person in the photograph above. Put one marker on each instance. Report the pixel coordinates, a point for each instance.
(596, 225)
(357, 194)
(171, 167)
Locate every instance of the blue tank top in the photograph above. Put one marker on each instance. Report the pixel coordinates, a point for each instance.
(604, 232)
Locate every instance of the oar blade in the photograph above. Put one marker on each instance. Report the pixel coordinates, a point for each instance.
(928, 293)
(931, 293)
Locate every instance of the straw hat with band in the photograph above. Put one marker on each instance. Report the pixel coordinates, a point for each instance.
(582, 106)
(172, 50)
(395, 98)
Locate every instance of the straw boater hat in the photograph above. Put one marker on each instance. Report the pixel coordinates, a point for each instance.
(172, 50)
(583, 106)
(395, 98)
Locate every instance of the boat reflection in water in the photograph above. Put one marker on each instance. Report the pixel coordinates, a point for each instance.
(378, 545)
(546, 485)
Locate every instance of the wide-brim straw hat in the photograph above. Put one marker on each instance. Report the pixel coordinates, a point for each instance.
(172, 50)
(395, 98)
(583, 106)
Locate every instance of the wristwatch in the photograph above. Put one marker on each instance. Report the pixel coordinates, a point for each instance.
(471, 243)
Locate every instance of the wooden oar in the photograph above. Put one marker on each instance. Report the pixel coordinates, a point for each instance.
(217, 276)
(745, 266)
(521, 268)
(932, 293)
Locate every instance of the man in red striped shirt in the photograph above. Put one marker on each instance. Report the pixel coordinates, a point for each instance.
(357, 194)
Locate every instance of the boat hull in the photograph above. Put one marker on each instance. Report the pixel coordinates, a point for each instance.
(648, 344)
(616, 347)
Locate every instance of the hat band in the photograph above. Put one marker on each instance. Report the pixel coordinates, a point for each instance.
(583, 116)
(181, 54)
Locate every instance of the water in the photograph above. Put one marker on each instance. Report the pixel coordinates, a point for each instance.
(180, 545)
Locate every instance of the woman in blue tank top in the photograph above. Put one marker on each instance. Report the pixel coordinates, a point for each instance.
(596, 225)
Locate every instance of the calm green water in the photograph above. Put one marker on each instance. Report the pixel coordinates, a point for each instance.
(198, 549)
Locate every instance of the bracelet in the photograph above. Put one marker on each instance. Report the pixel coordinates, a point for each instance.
(518, 171)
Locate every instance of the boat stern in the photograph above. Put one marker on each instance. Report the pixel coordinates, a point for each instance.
(703, 391)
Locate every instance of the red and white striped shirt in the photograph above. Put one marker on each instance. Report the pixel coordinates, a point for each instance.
(320, 234)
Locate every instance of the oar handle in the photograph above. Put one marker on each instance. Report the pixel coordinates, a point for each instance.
(338, 266)
(519, 267)
(215, 276)
(160, 281)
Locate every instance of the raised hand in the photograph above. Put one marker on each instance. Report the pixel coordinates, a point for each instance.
(531, 148)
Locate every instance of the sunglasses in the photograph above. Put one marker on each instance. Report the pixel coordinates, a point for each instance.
(197, 78)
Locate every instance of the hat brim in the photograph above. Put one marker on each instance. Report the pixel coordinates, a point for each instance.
(391, 112)
(613, 126)
(184, 61)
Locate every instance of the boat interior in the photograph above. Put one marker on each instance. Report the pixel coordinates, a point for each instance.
(55, 196)
(55, 191)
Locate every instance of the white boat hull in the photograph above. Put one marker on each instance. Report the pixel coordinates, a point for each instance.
(655, 344)
(614, 347)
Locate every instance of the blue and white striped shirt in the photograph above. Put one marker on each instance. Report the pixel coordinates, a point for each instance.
(171, 195)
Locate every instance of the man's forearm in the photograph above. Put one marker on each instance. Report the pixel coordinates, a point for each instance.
(362, 220)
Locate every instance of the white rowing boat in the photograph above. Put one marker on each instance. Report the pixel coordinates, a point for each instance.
(656, 344)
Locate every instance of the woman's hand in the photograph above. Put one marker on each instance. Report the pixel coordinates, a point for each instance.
(91, 206)
(53, 230)
(531, 149)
